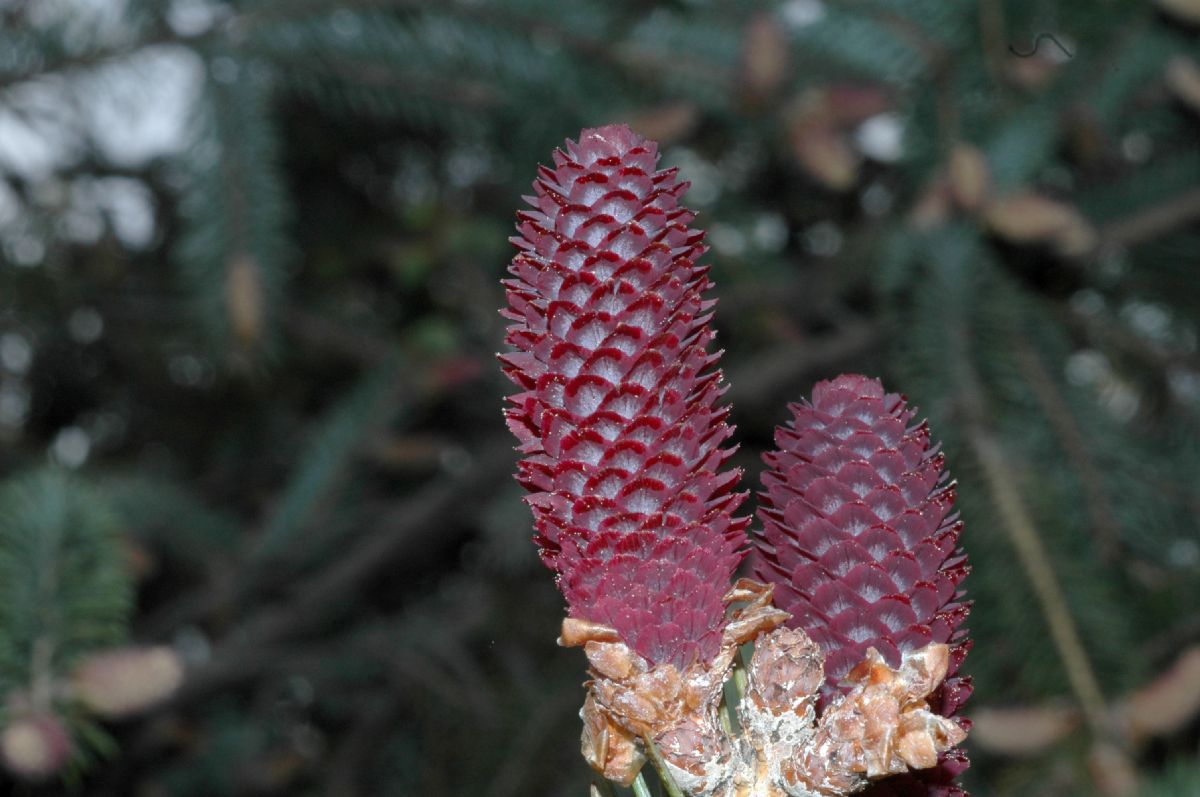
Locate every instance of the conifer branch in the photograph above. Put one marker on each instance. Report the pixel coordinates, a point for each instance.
(997, 471)
(992, 38)
(404, 533)
(766, 374)
(86, 59)
(1151, 222)
(322, 466)
(1097, 505)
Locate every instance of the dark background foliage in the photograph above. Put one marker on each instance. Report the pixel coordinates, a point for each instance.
(249, 264)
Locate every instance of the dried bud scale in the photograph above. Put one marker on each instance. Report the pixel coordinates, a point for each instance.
(618, 417)
(860, 539)
(882, 726)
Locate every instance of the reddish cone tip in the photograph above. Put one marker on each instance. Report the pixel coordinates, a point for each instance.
(861, 542)
(617, 416)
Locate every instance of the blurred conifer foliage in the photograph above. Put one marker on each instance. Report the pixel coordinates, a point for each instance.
(249, 254)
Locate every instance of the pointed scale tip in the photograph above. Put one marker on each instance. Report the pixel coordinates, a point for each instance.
(611, 141)
(619, 136)
(862, 386)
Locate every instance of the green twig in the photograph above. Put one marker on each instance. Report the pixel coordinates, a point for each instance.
(725, 716)
(640, 789)
(733, 693)
(660, 766)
